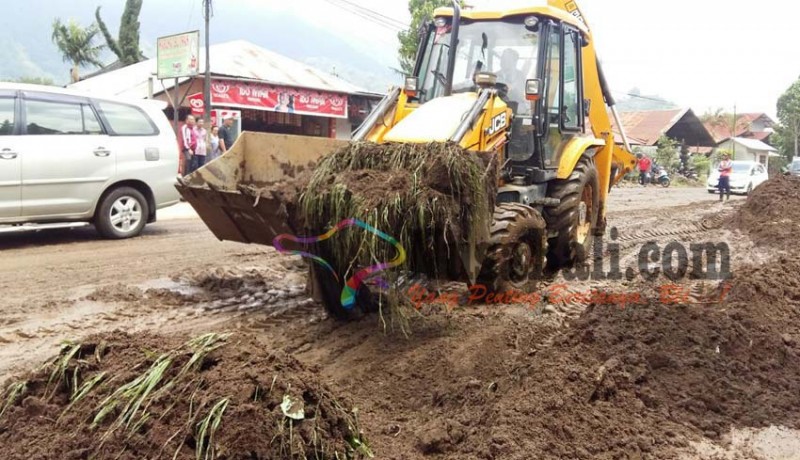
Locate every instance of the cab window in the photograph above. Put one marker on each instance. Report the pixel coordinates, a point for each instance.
(571, 103)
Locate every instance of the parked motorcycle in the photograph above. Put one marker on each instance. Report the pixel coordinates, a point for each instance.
(658, 176)
(689, 173)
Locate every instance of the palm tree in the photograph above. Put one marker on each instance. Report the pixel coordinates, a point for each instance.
(77, 45)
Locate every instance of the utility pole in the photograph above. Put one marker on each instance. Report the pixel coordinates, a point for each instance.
(207, 78)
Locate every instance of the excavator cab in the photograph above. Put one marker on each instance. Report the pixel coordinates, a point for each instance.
(534, 63)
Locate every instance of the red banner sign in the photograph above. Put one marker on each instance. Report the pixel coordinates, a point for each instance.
(259, 96)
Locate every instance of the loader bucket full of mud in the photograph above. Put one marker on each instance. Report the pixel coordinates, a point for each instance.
(434, 200)
(241, 195)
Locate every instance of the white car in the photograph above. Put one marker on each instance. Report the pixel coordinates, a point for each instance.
(66, 156)
(745, 176)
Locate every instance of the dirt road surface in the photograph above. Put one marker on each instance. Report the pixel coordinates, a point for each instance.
(178, 279)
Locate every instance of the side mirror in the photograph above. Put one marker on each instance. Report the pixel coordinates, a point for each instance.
(532, 89)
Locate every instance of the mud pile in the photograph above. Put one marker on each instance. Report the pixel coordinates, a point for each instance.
(771, 215)
(635, 382)
(431, 198)
(146, 396)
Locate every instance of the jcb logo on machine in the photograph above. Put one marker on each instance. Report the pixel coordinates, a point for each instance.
(498, 123)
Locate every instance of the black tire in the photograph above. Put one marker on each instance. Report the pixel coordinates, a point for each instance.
(664, 182)
(517, 235)
(126, 202)
(565, 249)
(331, 292)
(749, 189)
(712, 192)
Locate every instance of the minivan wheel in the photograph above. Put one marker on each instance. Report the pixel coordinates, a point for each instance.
(122, 214)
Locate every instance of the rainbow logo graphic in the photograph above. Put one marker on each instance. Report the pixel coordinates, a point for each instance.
(348, 297)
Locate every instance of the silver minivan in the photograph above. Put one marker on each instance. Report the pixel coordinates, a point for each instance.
(71, 157)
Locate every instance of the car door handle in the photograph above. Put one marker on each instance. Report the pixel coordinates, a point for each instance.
(7, 154)
(101, 152)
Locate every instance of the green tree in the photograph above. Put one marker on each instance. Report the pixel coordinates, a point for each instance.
(126, 47)
(724, 120)
(76, 45)
(667, 153)
(789, 116)
(421, 13)
(701, 164)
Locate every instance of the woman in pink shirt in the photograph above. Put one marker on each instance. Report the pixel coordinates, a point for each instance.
(199, 157)
(725, 167)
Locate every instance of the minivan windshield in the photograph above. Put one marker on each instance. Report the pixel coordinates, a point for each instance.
(505, 48)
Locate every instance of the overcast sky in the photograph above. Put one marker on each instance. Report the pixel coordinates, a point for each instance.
(704, 54)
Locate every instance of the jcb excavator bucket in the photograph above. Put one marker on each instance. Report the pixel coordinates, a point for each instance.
(255, 161)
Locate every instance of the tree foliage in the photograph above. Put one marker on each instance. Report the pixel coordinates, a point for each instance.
(421, 13)
(667, 153)
(781, 139)
(76, 45)
(789, 116)
(724, 121)
(126, 47)
(701, 165)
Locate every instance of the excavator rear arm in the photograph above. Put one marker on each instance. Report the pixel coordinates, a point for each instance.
(613, 161)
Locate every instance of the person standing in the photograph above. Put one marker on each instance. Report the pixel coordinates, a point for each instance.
(201, 150)
(188, 143)
(215, 144)
(644, 165)
(226, 134)
(724, 185)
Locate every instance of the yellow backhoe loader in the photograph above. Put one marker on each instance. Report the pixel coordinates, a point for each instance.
(524, 84)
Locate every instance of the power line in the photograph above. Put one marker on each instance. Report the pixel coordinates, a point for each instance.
(365, 14)
(655, 99)
(375, 13)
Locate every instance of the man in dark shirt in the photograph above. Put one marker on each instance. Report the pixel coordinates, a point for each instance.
(226, 134)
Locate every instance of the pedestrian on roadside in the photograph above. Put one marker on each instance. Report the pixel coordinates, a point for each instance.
(226, 134)
(644, 165)
(199, 157)
(215, 144)
(724, 184)
(188, 143)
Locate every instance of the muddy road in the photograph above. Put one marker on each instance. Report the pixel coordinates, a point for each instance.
(557, 378)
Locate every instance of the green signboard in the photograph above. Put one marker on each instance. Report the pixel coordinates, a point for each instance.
(178, 55)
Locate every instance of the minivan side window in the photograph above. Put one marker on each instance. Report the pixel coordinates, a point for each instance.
(45, 117)
(127, 120)
(6, 116)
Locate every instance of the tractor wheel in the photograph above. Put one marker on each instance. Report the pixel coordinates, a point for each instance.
(516, 249)
(330, 292)
(576, 217)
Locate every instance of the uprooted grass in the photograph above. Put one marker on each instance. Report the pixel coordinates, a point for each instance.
(146, 396)
(431, 198)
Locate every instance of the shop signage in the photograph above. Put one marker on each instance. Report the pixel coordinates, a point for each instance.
(252, 95)
(176, 55)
